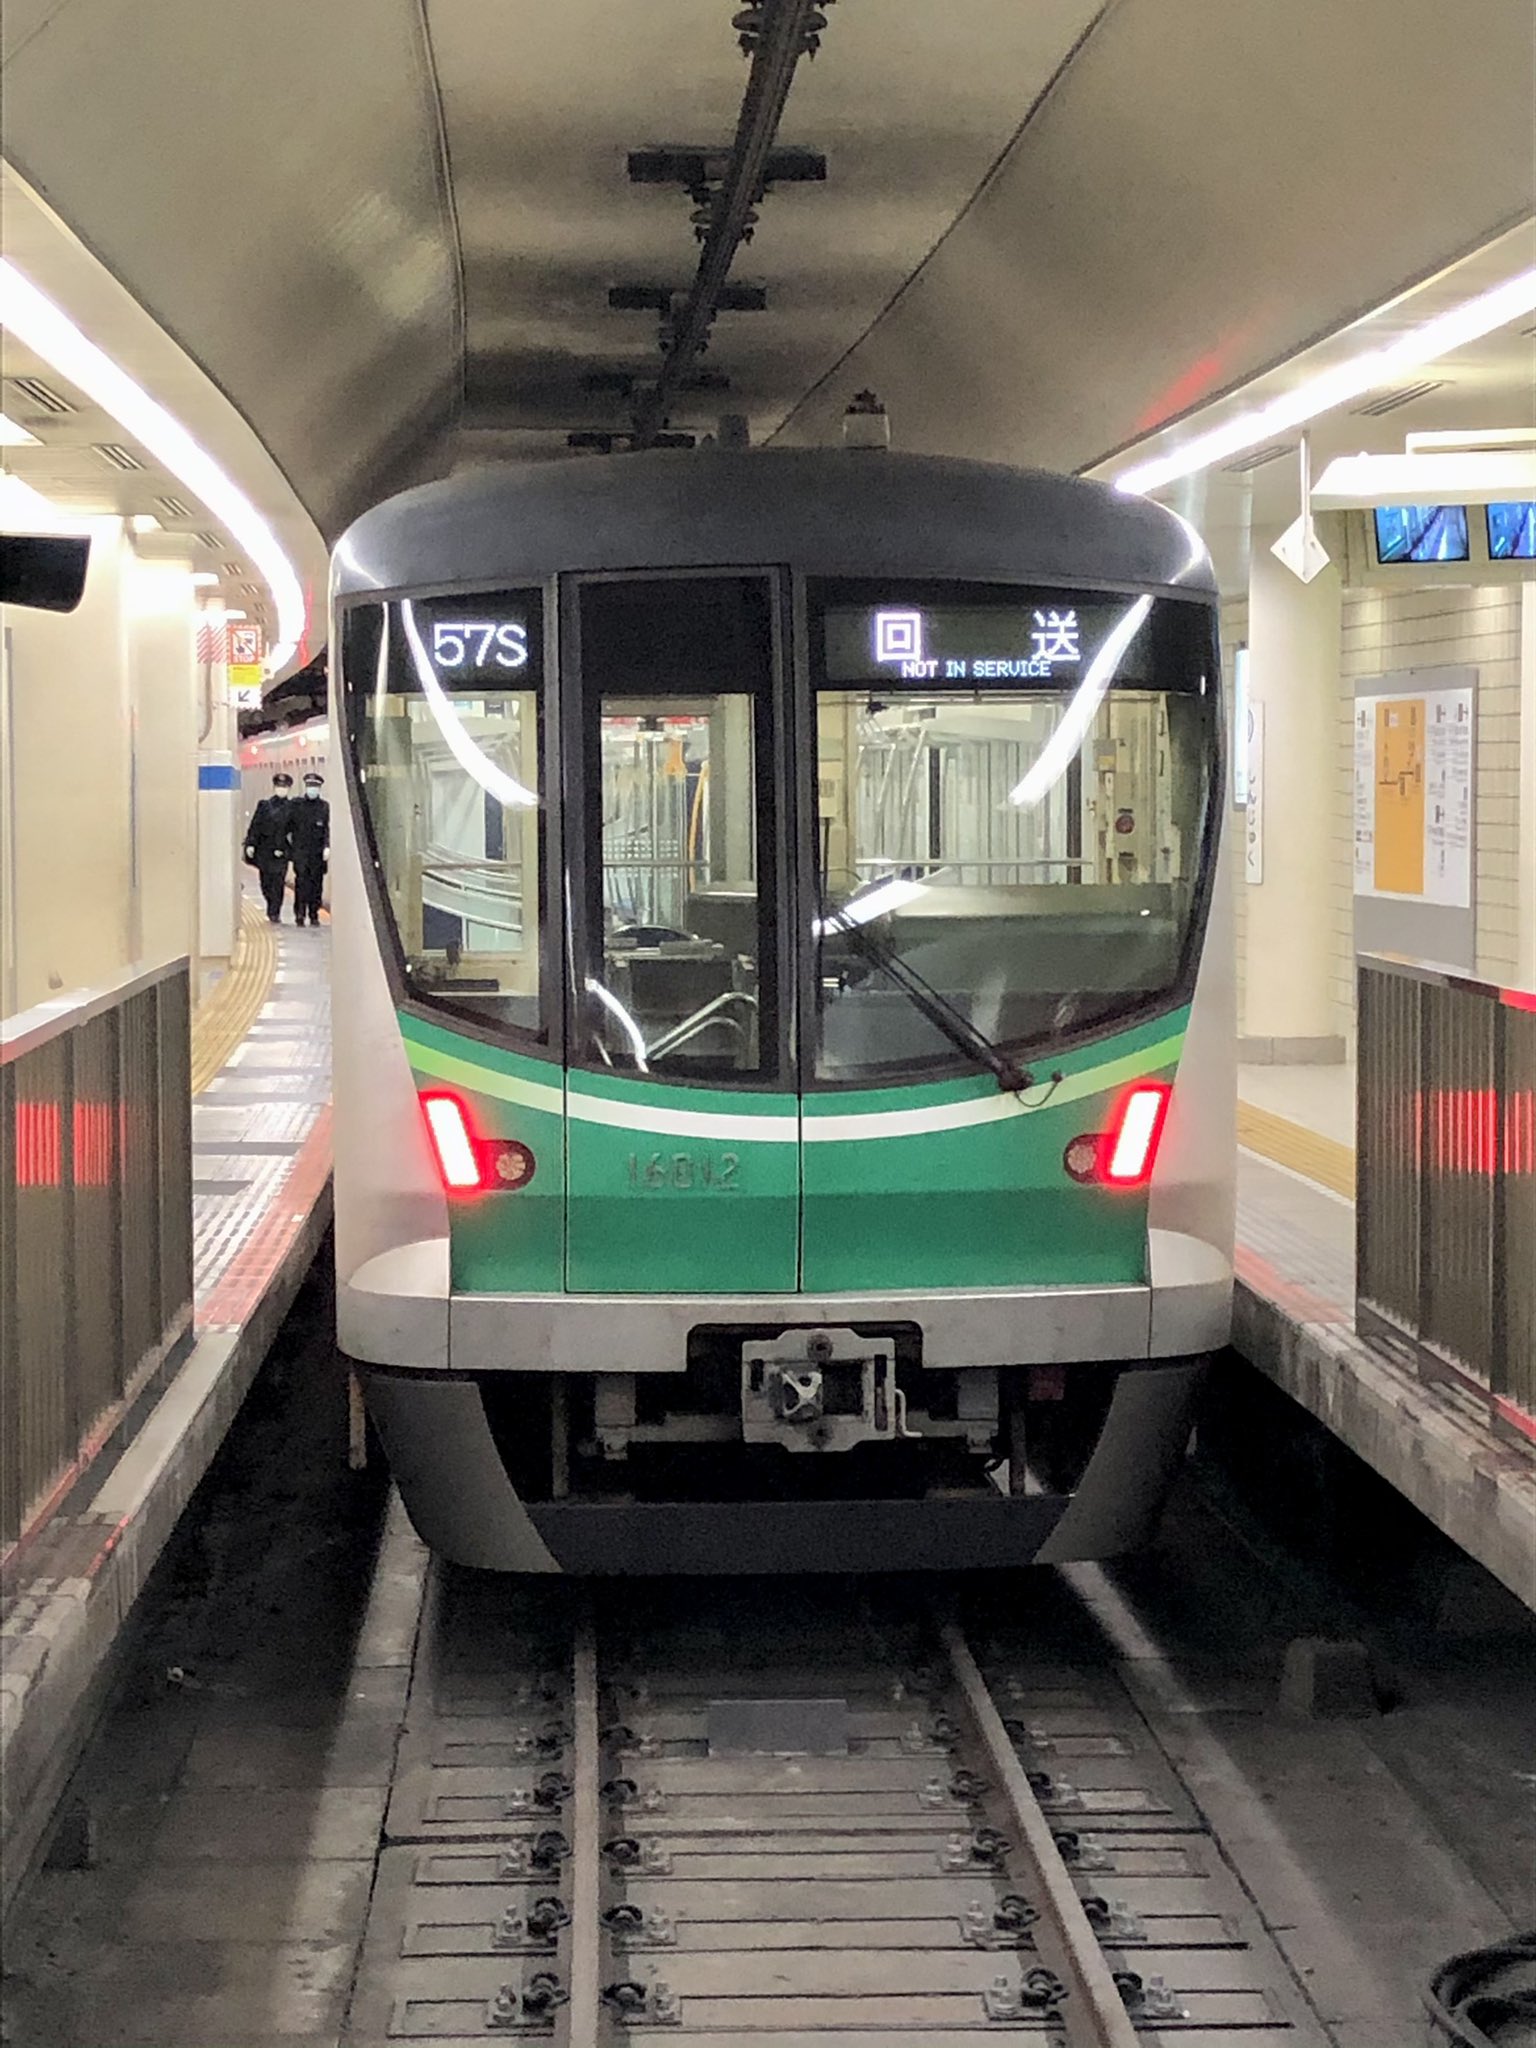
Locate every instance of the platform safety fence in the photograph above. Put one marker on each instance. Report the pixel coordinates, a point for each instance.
(95, 1225)
(1446, 1164)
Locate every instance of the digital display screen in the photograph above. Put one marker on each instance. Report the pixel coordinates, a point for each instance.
(464, 645)
(1050, 638)
(1512, 531)
(1421, 533)
(478, 646)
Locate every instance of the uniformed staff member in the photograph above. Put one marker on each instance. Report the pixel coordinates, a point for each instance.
(309, 837)
(266, 843)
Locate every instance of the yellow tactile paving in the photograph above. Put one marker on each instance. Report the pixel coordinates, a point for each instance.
(1324, 1160)
(232, 1005)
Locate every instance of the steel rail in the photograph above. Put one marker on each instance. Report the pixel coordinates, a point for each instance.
(1093, 2013)
(584, 2011)
(778, 50)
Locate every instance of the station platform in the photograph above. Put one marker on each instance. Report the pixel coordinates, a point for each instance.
(261, 1148)
(1294, 1319)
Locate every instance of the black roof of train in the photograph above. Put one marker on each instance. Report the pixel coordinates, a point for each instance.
(831, 512)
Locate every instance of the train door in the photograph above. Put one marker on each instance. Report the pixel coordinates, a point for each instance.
(683, 1118)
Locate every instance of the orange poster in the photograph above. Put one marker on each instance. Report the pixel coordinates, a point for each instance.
(1399, 862)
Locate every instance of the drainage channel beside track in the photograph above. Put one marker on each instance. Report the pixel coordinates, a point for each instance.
(784, 1818)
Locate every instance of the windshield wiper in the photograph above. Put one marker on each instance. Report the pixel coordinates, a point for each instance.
(941, 1013)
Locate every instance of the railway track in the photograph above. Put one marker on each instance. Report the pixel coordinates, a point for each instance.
(781, 1817)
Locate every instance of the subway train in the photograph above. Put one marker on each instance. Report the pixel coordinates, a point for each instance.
(783, 1023)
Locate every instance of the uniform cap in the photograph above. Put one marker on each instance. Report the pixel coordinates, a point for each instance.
(282, 781)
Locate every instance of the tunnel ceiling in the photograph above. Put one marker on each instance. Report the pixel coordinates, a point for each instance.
(389, 229)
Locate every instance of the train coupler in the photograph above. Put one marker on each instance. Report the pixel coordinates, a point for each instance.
(825, 1390)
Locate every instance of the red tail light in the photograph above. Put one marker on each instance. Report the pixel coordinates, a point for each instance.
(458, 1161)
(1130, 1144)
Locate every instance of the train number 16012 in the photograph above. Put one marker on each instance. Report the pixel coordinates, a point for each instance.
(683, 1170)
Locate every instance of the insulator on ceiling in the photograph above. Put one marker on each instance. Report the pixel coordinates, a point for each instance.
(866, 424)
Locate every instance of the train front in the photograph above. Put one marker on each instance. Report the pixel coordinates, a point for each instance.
(783, 1057)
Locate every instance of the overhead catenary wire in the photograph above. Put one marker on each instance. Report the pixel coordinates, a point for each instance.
(784, 36)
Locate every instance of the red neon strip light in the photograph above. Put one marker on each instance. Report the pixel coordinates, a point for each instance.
(1520, 1132)
(93, 1144)
(39, 1145)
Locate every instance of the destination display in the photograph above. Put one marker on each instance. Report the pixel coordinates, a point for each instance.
(466, 644)
(1053, 638)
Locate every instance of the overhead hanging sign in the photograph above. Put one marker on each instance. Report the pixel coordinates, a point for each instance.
(246, 667)
(1299, 547)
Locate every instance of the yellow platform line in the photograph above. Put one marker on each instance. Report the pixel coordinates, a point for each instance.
(233, 1004)
(1309, 1153)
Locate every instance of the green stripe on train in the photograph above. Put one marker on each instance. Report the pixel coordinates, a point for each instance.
(641, 1187)
(501, 1243)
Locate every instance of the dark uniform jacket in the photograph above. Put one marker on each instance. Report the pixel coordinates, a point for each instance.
(309, 829)
(266, 837)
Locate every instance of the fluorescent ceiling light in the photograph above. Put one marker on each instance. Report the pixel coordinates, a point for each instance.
(14, 436)
(144, 522)
(1471, 437)
(627, 1024)
(25, 510)
(872, 902)
(40, 326)
(1368, 371)
(204, 578)
(1465, 477)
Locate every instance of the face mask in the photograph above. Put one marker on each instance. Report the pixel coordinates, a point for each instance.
(309, 791)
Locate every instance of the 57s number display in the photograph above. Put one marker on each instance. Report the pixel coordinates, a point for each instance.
(479, 643)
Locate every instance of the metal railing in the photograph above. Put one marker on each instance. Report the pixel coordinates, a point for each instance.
(1445, 1215)
(481, 892)
(714, 1013)
(95, 1223)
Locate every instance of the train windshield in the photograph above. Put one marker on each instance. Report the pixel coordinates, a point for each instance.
(999, 839)
(445, 709)
(1013, 802)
